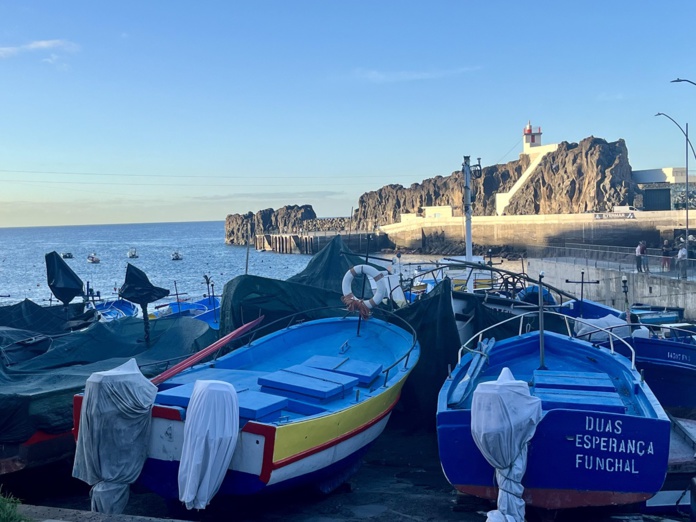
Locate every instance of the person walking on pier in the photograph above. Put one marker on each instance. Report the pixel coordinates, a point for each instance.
(644, 256)
(666, 256)
(681, 261)
(639, 257)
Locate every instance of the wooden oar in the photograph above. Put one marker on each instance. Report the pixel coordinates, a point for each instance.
(196, 357)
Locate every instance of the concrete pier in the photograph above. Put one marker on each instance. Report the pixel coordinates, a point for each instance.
(602, 228)
(313, 242)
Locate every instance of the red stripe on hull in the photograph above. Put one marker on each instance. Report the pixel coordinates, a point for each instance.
(562, 498)
(268, 433)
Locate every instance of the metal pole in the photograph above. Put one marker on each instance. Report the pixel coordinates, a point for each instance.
(467, 205)
(246, 269)
(467, 216)
(542, 365)
(686, 185)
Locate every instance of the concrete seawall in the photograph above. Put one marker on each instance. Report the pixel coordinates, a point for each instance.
(313, 242)
(620, 229)
(642, 287)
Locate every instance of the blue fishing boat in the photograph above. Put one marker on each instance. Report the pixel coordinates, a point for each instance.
(298, 406)
(111, 309)
(601, 436)
(665, 353)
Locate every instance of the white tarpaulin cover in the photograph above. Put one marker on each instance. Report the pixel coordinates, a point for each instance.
(503, 420)
(210, 436)
(113, 436)
(606, 322)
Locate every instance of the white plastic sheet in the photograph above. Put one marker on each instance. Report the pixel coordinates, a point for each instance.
(210, 436)
(114, 432)
(503, 420)
(610, 322)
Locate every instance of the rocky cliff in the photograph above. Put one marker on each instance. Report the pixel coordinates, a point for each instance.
(589, 176)
(287, 219)
(592, 175)
(577, 177)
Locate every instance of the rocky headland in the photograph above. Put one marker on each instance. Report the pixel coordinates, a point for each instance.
(590, 176)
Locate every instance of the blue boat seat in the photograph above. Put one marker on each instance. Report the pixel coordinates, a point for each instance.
(590, 400)
(240, 379)
(253, 405)
(590, 391)
(307, 383)
(573, 380)
(364, 371)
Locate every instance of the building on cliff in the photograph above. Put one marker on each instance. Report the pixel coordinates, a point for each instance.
(536, 152)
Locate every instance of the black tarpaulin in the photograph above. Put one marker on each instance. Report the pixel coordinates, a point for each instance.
(48, 320)
(138, 289)
(328, 266)
(63, 282)
(36, 390)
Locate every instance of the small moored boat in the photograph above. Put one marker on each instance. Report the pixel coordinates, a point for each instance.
(114, 309)
(92, 258)
(177, 256)
(132, 253)
(66, 255)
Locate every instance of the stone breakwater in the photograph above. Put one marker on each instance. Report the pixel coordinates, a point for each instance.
(290, 219)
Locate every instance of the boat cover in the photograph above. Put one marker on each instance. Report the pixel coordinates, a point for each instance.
(138, 289)
(210, 437)
(48, 320)
(36, 393)
(504, 416)
(63, 282)
(328, 266)
(589, 330)
(114, 434)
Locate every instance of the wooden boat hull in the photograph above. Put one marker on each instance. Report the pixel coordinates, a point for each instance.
(270, 458)
(568, 465)
(669, 367)
(295, 435)
(589, 449)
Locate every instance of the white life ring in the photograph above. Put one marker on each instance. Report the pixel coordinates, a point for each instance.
(369, 271)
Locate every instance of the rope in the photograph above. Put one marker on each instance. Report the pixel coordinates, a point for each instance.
(356, 305)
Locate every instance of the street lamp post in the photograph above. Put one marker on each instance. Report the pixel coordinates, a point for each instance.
(686, 184)
(688, 143)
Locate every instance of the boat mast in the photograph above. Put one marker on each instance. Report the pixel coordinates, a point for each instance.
(466, 169)
(542, 365)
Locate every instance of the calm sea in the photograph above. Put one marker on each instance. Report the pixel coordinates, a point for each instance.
(202, 244)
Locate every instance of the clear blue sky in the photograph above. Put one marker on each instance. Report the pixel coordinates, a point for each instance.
(180, 111)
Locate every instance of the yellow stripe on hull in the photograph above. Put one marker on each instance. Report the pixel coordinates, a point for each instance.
(299, 437)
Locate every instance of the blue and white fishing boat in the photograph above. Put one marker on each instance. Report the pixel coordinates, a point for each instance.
(600, 438)
(111, 309)
(298, 406)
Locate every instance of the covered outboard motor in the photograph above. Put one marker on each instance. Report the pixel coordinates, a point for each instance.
(114, 434)
(504, 416)
(210, 438)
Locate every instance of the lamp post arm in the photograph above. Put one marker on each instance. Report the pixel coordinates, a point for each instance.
(681, 129)
(679, 80)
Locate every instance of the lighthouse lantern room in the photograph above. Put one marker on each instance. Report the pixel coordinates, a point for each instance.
(532, 137)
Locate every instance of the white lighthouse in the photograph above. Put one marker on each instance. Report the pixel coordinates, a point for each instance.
(532, 138)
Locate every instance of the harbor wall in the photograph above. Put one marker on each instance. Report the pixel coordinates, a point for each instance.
(642, 287)
(609, 228)
(313, 242)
